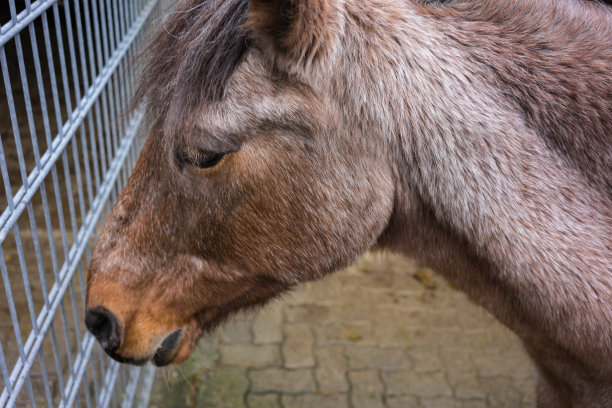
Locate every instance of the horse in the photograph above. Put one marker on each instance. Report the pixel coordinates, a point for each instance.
(288, 137)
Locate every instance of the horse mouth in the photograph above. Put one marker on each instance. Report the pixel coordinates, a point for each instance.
(127, 360)
(165, 353)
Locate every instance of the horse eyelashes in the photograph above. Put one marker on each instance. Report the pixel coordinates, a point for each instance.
(202, 159)
(208, 159)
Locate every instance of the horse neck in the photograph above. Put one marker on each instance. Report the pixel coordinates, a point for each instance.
(482, 180)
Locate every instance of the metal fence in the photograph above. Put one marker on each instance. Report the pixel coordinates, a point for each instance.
(67, 147)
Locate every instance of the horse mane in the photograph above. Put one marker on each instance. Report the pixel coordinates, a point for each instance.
(191, 58)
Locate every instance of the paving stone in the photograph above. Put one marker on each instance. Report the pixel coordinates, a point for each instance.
(388, 333)
(330, 373)
(431, 319)
(250, 355)
(235, 331)
(366, 382)
(263, 401)
(204, 357)
(473, 316)
(279, 380)
(306, 313)
(334, 334)
(462, 375)
(301, 295)
(456, 360)
(516, 365)
(501, 392)
(367, 401)
(297, 348)
(351, 310)
(315, 401)
(440, 402)
(469, 388)
(425, 385)
(480, 404)
(224, 388)
(443, 338)
(267, 325)
(469, 339)
(527, 387)
(172, 394)
(326, 289)
(425, 359)
(374, 357)
(366, 389)
(404, 401)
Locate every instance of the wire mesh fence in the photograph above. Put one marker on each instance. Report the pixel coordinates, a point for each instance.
(67, 147)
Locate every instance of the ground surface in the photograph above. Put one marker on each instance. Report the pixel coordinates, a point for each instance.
(383, 333)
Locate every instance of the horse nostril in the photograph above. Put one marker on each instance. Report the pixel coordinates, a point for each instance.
(105, 327)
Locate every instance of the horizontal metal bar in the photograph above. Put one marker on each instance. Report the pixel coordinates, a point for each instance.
(37, 176)
(10, 29)
(21, 369)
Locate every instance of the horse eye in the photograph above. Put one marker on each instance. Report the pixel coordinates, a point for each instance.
(202, 159)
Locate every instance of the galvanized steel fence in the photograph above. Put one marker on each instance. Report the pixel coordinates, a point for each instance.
(67, 147)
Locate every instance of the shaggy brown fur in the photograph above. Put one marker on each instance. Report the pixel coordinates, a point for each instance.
(291, 136)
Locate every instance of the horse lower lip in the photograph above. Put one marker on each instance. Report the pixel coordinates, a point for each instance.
(163, 355)
(127, 360)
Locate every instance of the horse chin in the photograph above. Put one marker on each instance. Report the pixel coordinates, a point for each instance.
(177, 346)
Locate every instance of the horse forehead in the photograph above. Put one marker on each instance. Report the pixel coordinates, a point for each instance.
(249, 95)
(255, 94)
(247, 108)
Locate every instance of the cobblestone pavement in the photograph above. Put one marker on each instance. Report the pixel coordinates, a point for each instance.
(386, 332)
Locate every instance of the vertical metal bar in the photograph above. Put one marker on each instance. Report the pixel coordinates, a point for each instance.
(94, 376)
(9, 197)
(25, 277)
(62, 64)
(14, 318)
(85, 385)
(114, 22)
(107, 125)
(104, 32)
(13, 116)
(100, 134)
(90, 48)
(145, 388)
(5, 177)
(51, 67)
(58, 362)
(94, 150)
(79, 181)
(13, 11)
(81, 42)
(45, 378)
(71, 52)
(5, 374)
(26, 95)
(41, 88)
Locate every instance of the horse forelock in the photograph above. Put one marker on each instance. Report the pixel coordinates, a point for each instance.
(191, 58)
